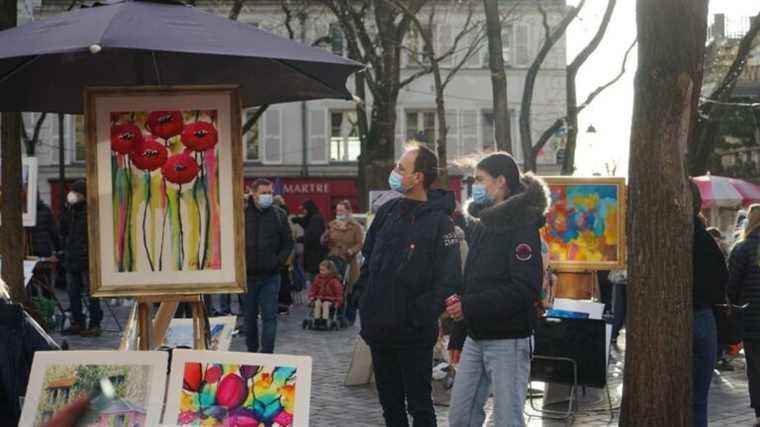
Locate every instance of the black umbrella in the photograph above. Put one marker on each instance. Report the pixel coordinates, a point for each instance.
(45, 64)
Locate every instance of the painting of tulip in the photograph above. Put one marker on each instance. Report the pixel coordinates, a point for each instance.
(166, 168)
(585, 224)
(238, 389)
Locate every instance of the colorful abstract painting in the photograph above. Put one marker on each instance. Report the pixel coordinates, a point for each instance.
(273, 391)
(585, 224)
(180, 333)
(165, 190)
(166, 173)
(59, 378)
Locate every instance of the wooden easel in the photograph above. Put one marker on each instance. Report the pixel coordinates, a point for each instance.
(576, 285)
(151, 332)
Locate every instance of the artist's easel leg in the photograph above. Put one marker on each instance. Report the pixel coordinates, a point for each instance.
(144, 325)
(199, 324)
(162, 320)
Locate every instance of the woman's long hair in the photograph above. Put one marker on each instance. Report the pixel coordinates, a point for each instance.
(753, 220)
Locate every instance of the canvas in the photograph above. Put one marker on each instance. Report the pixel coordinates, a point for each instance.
(165, 169)
(28, 191)
(586, 223)
(222, 388)
(180, 333)
(60, 377)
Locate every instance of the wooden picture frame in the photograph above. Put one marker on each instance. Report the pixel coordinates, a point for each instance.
(164, 190)
(587, 232)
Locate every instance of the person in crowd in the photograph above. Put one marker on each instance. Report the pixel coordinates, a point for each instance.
(268, 244)
(719, 239)
(503, 279)
(744, 287)
(76, 263)
(619, 279)
(710, 276)
(605, 289)
(20, 338)
(344, 239)
(285, 297)
(314, 226)
(44, 238)
(411, 266)
(326, 291)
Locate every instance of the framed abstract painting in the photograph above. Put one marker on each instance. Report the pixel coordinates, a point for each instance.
(60, 377)
(585, 226)
(223, 388)
(164, 184)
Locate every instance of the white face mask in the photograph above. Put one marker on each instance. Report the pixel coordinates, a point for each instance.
(72, 198)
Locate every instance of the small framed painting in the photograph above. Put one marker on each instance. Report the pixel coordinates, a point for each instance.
(60, 377)
(180, 333)
(585, 226)
(164, 187)
(223, 388)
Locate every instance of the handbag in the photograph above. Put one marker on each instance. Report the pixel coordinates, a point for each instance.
(729, 319)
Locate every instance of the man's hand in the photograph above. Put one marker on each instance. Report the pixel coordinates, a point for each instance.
(69, 415)
(455, 311)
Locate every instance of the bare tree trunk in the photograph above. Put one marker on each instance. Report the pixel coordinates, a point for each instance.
(237, 7)
(657, 379)
(12, 228)
(568, 165)
(498, 77)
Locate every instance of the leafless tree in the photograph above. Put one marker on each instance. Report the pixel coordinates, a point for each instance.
(502, 121)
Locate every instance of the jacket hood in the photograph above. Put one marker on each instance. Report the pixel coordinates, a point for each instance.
(442, 200)
(528, 207)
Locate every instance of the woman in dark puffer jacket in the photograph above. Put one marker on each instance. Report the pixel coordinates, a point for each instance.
(744, 287)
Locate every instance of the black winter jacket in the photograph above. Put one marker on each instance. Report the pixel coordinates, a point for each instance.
(411, 265)
(268, 240)
(74, 236)
(20, 337)
(744, 282)
(44, 240)
(709, 266)
(313, 227)
(504, 270)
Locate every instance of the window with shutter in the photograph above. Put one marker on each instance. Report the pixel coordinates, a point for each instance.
(443, 41)
(506, 47)
(272, 136)
(452, 137)
(521, 45)
(344, 137)
(252, 148)
(317, 137)
(488, 124)
(400, 139)
(474, 61)
(468, 120)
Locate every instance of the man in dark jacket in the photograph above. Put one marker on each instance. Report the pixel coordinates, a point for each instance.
(76, 262)
(268, 244)
(313, 228)
(411, 265)
(20, 338)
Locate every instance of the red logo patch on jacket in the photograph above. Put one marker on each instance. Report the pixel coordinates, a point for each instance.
(523, 252)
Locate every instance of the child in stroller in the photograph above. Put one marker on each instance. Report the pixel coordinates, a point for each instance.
(325, 297)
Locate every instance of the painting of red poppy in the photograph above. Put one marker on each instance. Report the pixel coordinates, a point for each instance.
(164, 166)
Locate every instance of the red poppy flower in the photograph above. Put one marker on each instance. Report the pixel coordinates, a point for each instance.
(148, 154)
(165, 124)
(193, 377)
(200, 136)
(231, 392)
(124, 137)
(180, 169)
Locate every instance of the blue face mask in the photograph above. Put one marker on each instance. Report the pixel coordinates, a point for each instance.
(341, 217)
(265, 200)
(396, 182)
(480, 195)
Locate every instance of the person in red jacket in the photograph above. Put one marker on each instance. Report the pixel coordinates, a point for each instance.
(326, 291)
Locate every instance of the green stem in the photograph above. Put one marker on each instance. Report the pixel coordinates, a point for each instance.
(145, 217)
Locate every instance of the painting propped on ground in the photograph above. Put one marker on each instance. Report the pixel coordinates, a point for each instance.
(59, 378)
(218, 388)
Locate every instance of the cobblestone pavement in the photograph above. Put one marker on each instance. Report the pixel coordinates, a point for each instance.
(333, 404)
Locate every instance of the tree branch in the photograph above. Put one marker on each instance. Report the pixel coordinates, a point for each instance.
(237, 6)
(594, 43)
(254, 118)
(727, 85)
(288, 18)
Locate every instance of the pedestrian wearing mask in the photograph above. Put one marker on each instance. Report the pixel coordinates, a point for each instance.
(502, 284)
(268, 244)
(344, 238)
(411, 265)
(77, 263)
